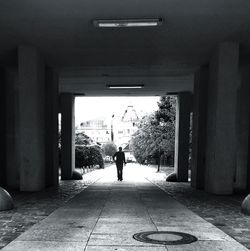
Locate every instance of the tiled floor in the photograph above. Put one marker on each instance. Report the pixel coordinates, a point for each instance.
(107, 214)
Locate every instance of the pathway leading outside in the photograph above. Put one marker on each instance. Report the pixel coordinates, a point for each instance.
(107, 214)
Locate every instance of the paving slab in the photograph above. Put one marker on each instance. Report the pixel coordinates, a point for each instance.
(202, 232)
(54, 234)
(124, 248)
(123, 228)
(45, 246)
(107, 214)
(123, 239)
(207, 245)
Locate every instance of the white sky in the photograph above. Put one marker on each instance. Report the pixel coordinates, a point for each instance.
(93, 107)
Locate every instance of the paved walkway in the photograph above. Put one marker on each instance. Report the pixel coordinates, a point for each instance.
(30, 208)
(107, 214)
(223, 211)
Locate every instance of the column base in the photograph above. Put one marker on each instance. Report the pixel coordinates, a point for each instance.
(245, 206)
(172, 177)
(76, 175)
(6, 201)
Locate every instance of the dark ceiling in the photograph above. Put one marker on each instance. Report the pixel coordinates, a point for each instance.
(63, 32)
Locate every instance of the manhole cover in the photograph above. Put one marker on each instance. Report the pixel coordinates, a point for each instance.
(165, 237)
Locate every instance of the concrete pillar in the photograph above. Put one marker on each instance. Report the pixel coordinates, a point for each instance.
(199, 128)
(2, 130)
(221, 120)
(31, 119)
(243, 121)
(248, 163)
(12, 125)
(67, 135)
(182, 132)
(52, 99)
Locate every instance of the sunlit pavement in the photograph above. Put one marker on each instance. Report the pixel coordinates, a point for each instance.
(107, 214)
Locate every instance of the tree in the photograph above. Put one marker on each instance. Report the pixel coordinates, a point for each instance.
(83, 139)
(156, 132)
(167, 109)
(88, 156)
(87, 152)
(109, 149)
(96, 157)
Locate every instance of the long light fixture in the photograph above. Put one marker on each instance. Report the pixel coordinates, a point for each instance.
(117, 23)
(125, 86)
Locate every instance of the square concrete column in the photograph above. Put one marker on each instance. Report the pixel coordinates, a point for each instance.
(52, 99)
(31, 134)
(182, 133)
(199, 128)
(2, 130)
(221, 121)
(67, 135)
(12, 127)
(243, 121)
(248, 163)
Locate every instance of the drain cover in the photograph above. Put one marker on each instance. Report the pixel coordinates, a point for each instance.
(165, 237)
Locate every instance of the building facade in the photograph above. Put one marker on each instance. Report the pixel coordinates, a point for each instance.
(98, 130)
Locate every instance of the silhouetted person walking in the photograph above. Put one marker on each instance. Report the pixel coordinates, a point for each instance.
(119, 158)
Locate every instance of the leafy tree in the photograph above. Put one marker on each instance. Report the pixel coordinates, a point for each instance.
(88, 156)
(82, 156)
(87, 153)
(167, 109)
(96, 157)
(83, 139)
(156, 132)
(109, 149)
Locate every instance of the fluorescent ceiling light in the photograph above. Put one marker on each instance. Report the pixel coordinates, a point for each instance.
(125, 86)
(116, 23)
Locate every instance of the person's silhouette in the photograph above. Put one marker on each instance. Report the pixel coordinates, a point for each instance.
(119, 158)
